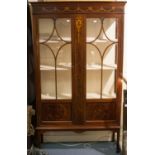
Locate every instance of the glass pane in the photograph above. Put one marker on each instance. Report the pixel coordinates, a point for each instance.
(55, 46)
(93, 84)
(46, 27)
(108, 84)
(55, 58)
(109, 26)
(93, 72)
(109, 71)
(46, 56)
(47, 68)
(47, 85)
(101, 57)
(91, 24)
(64, 88)
(110, 57)
(63, 26)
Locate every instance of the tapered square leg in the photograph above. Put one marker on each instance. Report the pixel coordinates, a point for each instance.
(118, 150)
(38, 139)
(113, 136)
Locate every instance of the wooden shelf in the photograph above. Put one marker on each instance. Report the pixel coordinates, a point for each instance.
(57, 39)
(90, 39)
(98, 67)
(53, 39)
(97, 95)
(67, 66)
(47, 96)
(52, 68)
(60, 96)
(68, 96)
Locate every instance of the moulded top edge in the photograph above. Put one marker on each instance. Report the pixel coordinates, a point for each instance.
(79, 1)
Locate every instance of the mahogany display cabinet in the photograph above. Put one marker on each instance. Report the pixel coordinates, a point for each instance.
(78, 54)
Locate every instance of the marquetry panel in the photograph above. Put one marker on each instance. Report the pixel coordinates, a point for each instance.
(100, 111)
(56, 112)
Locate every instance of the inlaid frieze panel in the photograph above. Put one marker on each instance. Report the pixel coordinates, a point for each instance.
(76, 8)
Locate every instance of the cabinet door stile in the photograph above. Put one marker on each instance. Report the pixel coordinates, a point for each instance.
(79, 69)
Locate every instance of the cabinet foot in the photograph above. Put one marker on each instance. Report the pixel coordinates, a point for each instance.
(118, 150)
(113, 136)
(38, 139)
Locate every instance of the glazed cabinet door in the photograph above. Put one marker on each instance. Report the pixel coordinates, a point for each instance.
(55, 58)
(55, 68)
(101, 67)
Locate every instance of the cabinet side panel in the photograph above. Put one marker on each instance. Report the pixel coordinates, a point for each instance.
(120, 67)
(36, 66)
